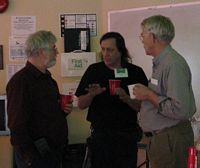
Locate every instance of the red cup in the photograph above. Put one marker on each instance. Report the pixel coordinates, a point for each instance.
(191, 157)
(192, 151)
(65, 99)
(113, 84)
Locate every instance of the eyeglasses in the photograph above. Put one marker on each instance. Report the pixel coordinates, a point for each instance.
(143, 34)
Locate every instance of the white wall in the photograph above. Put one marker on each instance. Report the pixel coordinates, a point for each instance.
(185, 17)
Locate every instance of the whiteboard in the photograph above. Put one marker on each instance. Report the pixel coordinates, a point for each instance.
(186, 19)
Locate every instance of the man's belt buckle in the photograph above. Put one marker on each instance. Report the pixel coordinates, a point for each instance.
(150, 134)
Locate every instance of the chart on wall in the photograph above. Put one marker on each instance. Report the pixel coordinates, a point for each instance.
(185, 17)
(70, 20)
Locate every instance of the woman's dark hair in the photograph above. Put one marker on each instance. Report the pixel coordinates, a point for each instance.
(120, 43)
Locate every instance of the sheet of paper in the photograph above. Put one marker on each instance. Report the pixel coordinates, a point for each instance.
(17, 48)
(12, 69)
(23, 25)
(70, 20)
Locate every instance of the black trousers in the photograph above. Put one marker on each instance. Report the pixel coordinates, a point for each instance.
(113, 149)
(38, 162)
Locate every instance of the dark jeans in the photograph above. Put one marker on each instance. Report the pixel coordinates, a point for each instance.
(110, 149)
(49, 161)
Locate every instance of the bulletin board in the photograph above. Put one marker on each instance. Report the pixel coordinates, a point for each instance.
(186, 19)
(78, 20)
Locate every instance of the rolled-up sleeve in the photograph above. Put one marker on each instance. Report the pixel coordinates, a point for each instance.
(178, 103)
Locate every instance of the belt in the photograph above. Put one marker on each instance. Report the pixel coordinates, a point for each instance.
(150, 134)
(153, 133)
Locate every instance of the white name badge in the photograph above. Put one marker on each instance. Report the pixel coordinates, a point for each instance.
(121, 73)
(154, 81)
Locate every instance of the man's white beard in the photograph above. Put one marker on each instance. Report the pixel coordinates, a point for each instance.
(51, 63)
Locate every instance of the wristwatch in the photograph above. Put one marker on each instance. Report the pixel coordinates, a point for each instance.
(3, 5)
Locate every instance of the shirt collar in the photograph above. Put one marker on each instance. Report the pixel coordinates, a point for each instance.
(158, 59)
(37, 73)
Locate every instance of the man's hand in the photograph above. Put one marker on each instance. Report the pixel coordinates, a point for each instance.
(133, 103)
(142, 92)
(68, 107)
(122, 95)
(95, 89)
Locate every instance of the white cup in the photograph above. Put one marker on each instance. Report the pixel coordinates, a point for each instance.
(130, 88)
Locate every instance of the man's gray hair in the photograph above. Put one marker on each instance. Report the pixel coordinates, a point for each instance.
(38, 40)
(161, 27)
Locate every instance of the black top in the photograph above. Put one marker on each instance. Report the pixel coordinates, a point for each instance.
(108, 111)
(33, 108)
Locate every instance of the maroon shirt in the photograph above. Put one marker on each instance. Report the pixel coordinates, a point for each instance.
(33, 108)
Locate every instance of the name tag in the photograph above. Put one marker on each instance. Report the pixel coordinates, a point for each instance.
(121, 73)
(154, 81)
